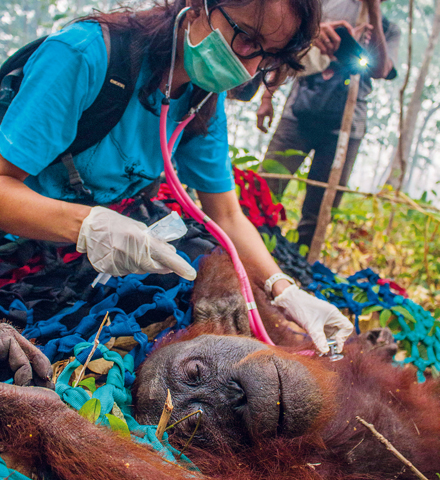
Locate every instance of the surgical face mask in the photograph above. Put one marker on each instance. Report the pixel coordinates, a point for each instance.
(212, 65)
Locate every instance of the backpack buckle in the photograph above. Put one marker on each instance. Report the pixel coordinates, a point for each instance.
(75, 180)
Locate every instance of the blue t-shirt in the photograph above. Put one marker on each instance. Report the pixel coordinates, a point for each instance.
(61, 80)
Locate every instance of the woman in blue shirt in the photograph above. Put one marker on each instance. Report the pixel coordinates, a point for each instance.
(220, 44)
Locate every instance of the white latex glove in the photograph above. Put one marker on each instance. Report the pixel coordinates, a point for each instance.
(118, 245)
(319, 318)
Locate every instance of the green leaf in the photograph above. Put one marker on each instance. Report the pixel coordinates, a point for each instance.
(404, 312)
(292, 236)
(293, 214)
(88, 383)
(406, 345)
(341, 280)
(360, 297)
(254, 168)
(244, 159)
(272, 243)
(272, 166)
(423, 351)
(437, 313)
(233, 150)
(384, 316)
(435, 374)
(91, 410)
(59, 16)
(269, 242)
(394, 325)
(371, 308)
(432, 331)
(303, 250)
(118, 425)
(290, 153)
(376, 288)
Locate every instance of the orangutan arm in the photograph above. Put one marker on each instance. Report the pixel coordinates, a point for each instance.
(38, 429)
(225, 210)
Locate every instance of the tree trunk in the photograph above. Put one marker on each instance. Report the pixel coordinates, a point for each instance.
(409, 124)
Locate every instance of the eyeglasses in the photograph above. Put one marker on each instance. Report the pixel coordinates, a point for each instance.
(246, 47)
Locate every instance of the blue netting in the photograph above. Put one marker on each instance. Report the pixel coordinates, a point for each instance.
(76, 341)
(124, 322)
(415, 327)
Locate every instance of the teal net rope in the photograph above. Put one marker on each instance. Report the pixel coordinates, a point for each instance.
(414, 327)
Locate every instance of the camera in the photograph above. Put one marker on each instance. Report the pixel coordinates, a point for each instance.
(351, 53)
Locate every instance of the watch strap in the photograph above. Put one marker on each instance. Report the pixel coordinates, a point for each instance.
(268, 285)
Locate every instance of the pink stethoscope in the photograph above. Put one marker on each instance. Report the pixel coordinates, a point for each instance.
(190, 207)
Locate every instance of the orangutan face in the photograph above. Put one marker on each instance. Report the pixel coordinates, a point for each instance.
(246, 390)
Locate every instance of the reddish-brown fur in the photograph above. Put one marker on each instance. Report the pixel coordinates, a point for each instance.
(364, 383)
(367, 385)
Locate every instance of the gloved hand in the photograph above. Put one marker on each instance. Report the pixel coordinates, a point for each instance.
(320, 319)
(119, 245)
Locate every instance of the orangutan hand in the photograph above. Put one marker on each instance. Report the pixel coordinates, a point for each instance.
(21, 359)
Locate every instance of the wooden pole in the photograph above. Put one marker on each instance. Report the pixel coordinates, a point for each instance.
(335, 175)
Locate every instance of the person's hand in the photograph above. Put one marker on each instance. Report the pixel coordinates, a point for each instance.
(328, 40)
(119, 245)
(362, 33)
(265, 110)
(320, 319)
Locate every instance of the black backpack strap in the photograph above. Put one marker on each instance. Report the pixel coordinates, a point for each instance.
(118, 87)
(20, 57)
(11, 74)
(102, 116)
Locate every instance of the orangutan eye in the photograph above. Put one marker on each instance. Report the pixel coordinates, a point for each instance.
(193, 371)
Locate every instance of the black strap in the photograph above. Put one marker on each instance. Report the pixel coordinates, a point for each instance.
(75, 180)
(102, 116)
(20, 57)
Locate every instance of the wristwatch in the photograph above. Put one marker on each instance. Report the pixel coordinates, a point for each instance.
(268, 285)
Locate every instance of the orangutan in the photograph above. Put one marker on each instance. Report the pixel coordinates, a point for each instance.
(268, 412)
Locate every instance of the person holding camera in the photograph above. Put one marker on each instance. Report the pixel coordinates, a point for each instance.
(313, 112)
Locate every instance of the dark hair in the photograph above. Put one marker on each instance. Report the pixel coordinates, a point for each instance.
(152, 32)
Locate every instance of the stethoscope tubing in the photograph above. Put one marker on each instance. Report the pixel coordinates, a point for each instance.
(255, 322)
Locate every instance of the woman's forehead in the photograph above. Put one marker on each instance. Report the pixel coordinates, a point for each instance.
(276, 24)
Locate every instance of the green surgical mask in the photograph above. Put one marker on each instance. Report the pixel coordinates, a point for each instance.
(212, 65)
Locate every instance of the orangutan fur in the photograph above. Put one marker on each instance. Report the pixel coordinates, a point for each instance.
(36, 427)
